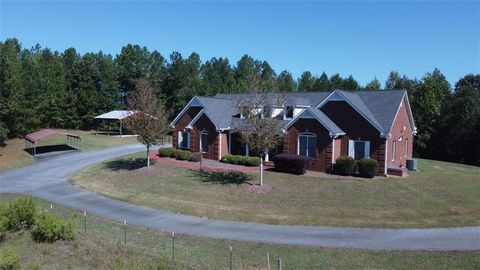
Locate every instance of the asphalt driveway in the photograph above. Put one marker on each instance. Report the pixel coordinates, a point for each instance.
(48, 179)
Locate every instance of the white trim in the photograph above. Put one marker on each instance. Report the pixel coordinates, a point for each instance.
(333, 150)
(219, 146)
(380, 129)
(180, 139)
(195, 119)
(201, 141)
(394, 149)
(184, 110)
(306, 134)
(386, 158)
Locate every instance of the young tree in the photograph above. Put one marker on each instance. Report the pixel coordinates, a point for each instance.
(149, 122)
(260, 129)
(373, 85)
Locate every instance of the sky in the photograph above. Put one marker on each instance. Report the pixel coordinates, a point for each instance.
(365, 39)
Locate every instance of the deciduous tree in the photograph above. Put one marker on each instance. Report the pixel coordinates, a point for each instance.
(150, 121)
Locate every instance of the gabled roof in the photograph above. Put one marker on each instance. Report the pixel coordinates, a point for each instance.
(378, 107)
(115, 115)
(219, 111)
(332, 128)
(384, 106)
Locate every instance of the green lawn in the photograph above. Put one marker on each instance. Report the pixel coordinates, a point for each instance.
(147, 249)
(440, 195)
(13, 156)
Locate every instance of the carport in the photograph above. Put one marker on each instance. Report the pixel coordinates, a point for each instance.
(32, 139)
(117, 115)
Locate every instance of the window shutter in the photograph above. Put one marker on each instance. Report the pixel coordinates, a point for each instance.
(188, 140)
(351, 148)
(367, 149)
(180, 139)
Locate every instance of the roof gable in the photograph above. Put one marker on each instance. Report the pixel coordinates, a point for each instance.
(310, 113)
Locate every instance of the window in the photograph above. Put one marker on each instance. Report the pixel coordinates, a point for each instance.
(406, 148)
(288, 112)
(183, 140)
(204, 141)
(358, 149)
(394, 150)
(307, 145)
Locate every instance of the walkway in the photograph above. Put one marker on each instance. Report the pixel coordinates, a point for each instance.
(47, 179)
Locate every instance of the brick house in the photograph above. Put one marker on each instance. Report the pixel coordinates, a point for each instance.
(323, 125)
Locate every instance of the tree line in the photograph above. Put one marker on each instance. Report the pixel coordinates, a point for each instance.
(42, 88)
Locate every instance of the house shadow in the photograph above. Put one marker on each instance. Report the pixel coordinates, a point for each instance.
(129, 164)
(222, 178)
(47, 149)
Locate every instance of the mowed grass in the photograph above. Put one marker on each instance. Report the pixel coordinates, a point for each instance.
(12, 155)
(103, 248)
(439, 195)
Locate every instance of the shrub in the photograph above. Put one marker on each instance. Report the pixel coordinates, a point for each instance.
(165, 152)
(50, 227)
(367, 167)
(195, 157)
(182, 154)
(344, 166)
(226, 158)
(3, 134)
(234, 159)
(20, 213)
(3, 221)
(294, 164)
(253, 161)
(9, 259)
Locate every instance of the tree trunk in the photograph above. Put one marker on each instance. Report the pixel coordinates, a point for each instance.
(261, 170)
(148, 156)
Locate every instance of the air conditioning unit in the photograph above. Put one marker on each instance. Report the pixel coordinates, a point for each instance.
(412, 164)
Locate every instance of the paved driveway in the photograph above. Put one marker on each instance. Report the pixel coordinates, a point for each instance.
(47, 179)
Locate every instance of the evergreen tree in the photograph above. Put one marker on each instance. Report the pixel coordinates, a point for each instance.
(323, 83)
(373, 85)
(306, 82)
(285, 82)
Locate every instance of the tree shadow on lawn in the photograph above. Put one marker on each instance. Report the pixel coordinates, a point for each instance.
(127, 164)
(223, 178)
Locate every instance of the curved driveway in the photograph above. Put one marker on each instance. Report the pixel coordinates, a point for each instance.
(47, 179)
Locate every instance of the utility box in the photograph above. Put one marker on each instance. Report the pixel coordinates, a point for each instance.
(412, 164)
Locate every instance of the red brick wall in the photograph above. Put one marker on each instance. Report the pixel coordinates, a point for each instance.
(183, 122)
(356, 128)
(220, 147)
(401, 131)
(324, 142)
(203, 123)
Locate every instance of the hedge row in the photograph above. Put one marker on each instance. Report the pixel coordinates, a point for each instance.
(289, 163)
(241, 160)
(367, 168)
(176, 153)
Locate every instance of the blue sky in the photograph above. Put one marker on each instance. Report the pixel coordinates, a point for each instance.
(365, 39)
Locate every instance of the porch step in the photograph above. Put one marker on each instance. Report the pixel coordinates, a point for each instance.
(268, 164)
(398, 171)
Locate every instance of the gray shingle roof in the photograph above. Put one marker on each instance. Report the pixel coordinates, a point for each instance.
(379, 107)
(219, 111)
(383, 105)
